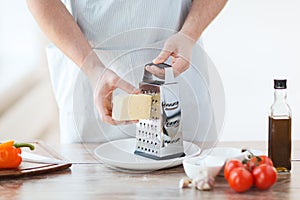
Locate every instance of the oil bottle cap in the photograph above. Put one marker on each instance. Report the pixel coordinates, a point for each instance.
(279, 83)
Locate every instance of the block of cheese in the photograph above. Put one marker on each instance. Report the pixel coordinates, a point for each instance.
(131, 107)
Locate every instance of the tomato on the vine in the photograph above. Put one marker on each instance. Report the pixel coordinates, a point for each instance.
(230, 165)
(258, 171)
(264, 176)
(240, 179)
(265, 160)
(257, 161)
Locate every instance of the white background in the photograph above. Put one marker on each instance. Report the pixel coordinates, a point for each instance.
(251, 42)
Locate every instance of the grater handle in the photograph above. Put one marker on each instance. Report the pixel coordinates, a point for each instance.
(169, 75)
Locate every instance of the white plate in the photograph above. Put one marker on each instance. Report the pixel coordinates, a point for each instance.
(119, 154)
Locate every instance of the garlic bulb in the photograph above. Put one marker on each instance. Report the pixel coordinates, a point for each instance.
(204, 181)
(205, 184)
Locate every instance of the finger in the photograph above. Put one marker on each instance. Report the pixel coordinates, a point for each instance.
(104, 111)
(127, 87)
(108, 119)
(158, 72)
(162, 57)
(127, 122)
(180, 65)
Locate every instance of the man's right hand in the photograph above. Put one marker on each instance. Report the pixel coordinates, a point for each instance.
(104, 81)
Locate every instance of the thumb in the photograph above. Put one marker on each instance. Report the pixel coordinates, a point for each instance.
(127, 87)
(162, 57)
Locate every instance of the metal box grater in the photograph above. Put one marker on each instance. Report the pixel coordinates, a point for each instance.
(160, 137)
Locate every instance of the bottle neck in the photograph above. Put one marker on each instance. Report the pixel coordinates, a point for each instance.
(280, 95)
(280, 107)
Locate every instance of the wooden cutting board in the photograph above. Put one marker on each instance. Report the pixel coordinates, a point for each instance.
(30, 169)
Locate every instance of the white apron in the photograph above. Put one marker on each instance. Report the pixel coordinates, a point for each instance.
(126, 34)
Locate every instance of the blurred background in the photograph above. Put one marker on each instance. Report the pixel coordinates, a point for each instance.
(28, 110)
(251, 43)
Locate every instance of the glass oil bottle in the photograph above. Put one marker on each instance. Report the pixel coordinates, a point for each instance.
(280, 121)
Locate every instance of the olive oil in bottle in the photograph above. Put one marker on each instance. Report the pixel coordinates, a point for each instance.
(280, 121)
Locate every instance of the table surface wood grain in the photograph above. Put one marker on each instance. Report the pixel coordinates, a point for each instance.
(89, 178)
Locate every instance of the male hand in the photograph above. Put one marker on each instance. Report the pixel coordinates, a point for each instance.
(108, 81)
(104, 81)
(179, 47)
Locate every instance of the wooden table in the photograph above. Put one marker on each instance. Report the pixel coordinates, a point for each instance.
(88, 178)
